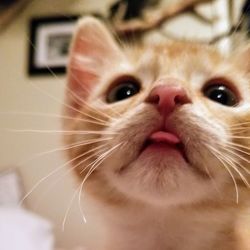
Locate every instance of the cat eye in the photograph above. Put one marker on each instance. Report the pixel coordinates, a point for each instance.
(219, 92)
(124, 88)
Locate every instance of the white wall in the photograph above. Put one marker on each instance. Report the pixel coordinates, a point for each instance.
(20, 93)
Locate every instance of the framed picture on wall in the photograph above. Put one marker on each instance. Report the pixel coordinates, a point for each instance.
(49, 43)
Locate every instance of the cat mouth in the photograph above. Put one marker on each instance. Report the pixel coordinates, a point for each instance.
(164, 142)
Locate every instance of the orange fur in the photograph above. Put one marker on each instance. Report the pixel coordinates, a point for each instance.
(142, 203)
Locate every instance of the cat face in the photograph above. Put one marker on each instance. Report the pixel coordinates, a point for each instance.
(160, 124)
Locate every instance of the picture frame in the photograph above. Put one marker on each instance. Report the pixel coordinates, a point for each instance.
(49, 41)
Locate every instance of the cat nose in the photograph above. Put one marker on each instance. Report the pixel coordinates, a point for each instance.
(168, 97)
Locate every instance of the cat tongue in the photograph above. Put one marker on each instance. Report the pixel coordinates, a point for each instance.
(166, 137)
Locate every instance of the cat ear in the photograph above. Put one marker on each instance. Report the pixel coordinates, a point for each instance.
(93, 52)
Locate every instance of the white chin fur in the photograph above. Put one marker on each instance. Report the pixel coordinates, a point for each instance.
(165, 178)
(160, 184)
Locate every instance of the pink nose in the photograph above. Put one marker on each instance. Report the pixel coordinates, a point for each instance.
(168, 97)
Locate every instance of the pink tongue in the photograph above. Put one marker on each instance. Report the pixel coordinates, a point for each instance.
(166, 137)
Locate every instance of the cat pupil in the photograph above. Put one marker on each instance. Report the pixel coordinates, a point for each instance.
(123, 91)
(221, 94)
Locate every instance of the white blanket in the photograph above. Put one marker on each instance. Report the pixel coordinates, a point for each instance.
(22, 230)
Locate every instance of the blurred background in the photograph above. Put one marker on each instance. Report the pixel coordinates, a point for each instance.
(34, 39)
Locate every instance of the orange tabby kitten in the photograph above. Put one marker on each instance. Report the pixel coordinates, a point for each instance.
(162, 135)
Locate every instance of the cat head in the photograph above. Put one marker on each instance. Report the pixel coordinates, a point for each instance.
(164, 123)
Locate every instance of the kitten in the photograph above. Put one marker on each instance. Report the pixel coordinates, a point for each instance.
(162, 135)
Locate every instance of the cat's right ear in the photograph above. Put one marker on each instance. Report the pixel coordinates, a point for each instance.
(93, 52)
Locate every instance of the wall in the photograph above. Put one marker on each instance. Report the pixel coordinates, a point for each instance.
(41, 96)
(20, 93)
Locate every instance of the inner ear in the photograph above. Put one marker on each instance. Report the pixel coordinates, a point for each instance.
(93, 52)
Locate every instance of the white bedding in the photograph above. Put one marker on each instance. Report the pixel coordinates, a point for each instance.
(22, 230)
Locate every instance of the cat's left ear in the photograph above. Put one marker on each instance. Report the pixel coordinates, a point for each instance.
(93, 53)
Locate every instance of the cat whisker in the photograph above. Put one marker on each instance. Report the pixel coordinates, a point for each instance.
(240, 124)
(232, 176)
(75, 166)
(86, 104)
(238, 164)
(228, 159)
(101, 157)
(55, 171)
(93, 167)
(98, 161)
(82, 102)
(54, 98)
(69, 207)
(235, 168)
(228, 170)
(237, 145)
(54, 116)
(66, 105)
(240, 137)
(230, 149)
(238, 130)
(79, 188)
(211, 178)
(65, 132)
(69, 146)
